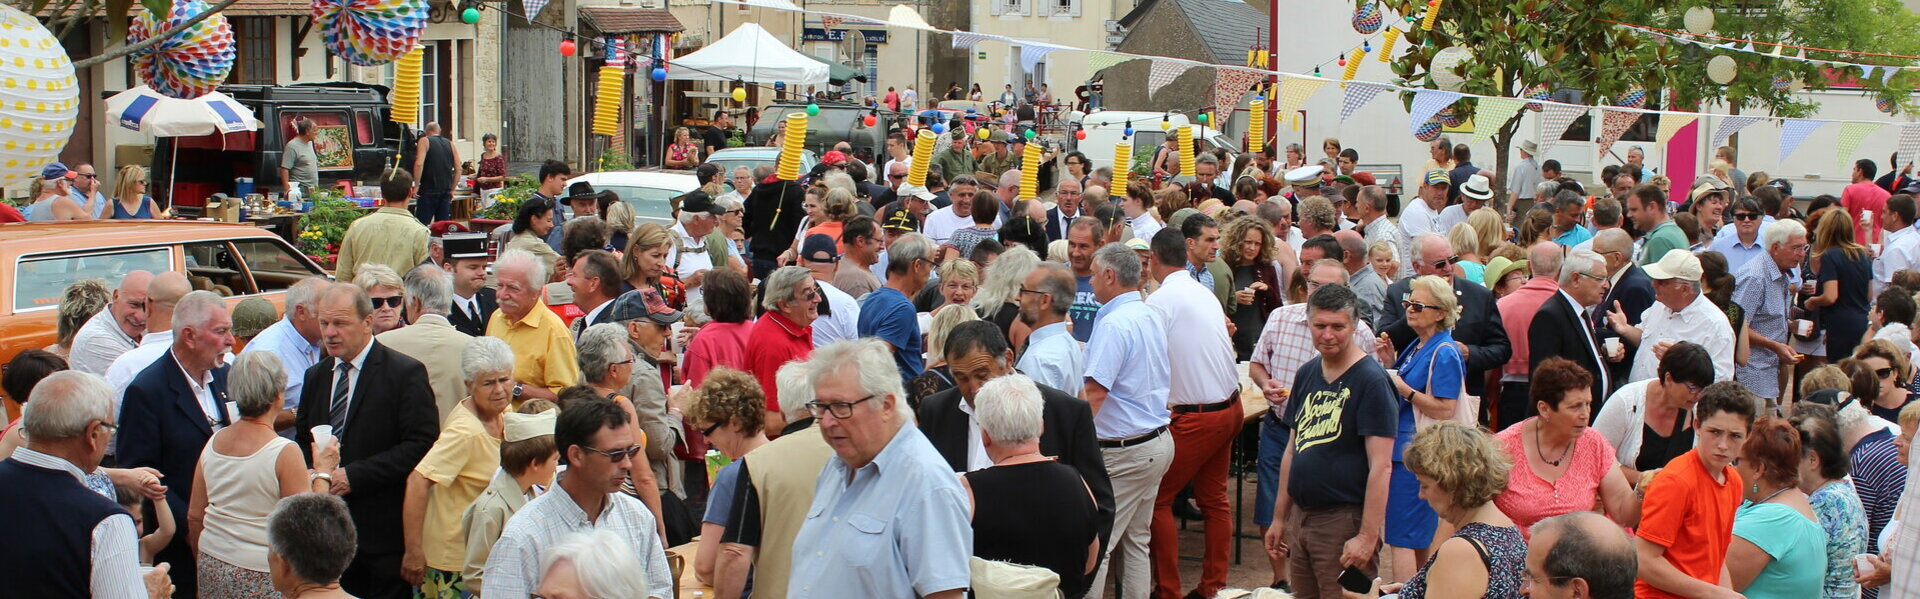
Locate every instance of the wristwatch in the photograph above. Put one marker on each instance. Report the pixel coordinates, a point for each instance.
(319, 476)
(518, 389)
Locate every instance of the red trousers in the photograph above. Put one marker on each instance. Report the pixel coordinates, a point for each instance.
(1202, 451)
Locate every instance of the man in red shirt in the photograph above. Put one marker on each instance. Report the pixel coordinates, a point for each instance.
(1864, 195)
(1516, 314)
(783, 334)
(9, 215)
(1686, 514)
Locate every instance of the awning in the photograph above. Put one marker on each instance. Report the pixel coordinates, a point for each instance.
(839, 74)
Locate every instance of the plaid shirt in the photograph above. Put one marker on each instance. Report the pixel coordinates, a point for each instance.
(1904, 542)
(1286, 344)
(1763, 290)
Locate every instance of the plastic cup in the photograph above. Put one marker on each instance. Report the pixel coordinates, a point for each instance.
(1803, 327)
(1863, 565)
(1613, 345)
(322, 436)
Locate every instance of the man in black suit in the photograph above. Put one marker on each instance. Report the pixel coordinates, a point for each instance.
(1561, 328)
(382, 412)
(595, 281)
(1206, 171)
(167, 417)
(473, 300)
(1631, 293)
(1479, 327)
(1066, 198)
(977, 353)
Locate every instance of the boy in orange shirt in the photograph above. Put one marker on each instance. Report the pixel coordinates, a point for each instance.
(1686, 519)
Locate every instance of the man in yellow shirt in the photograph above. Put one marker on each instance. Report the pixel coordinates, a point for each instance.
(390, 236)
(544, 360)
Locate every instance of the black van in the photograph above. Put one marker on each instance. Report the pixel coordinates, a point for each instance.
(356, 141)
(837, 122)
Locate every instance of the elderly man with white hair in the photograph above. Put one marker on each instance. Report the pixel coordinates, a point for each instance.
(591, 564)
(1764, 289)
(1560, 328)
(1679, 313)
(295, 338)
(431, 338)
(784, 333)
(693, 255)
(115, 330)
(71, 541)
(884, 476)
(1025, 486)
(541, 345)
(775, 491)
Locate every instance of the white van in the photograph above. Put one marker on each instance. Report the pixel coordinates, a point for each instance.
(1105, 128)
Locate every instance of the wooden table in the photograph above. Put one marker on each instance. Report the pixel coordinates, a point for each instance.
(689, 585)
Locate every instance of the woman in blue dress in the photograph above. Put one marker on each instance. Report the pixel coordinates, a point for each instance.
(1428, 376)
(1845, 271)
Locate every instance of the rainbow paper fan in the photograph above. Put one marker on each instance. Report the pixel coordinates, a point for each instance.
(1539, 91)
(191, 63)
(1428, 131)
(1885, 105)
(1367, 19)
(370, 32)
(1450, 117)
(1635, 97)
(1782, 82)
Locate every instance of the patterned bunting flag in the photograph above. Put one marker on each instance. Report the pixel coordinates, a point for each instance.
(1794, 131)
(1031, 54)
(533, 7)
(831, 22)
(1490, 114)
(1163, 72)
(1358, 94)
(1554, 120)
(1909, 144)
(1671, 124)
(966, 40)
(1098, 61)
(1230, 85)
(1851, 135)
(1613, 124)
(1729, 126)
(1294, 92)
(1426, 103)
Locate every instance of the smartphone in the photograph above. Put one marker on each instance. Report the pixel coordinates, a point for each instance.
(1355, 581)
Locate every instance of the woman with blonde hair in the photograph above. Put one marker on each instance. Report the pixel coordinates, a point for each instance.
(620, 222)
(1431, 375)
(1466, 245)
(1248, 248)
(1491, 230)
(730, 406)
(1844, 272)
(999, 296)
(384, 288)
(130, 199)
(682, 153)
(938, 376)
(1460, 470)
(78, 304)
(644, 265)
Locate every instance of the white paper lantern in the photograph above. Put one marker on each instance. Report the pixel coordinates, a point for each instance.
(1722, 69)
(39, 96)
(1442, 67)
(1699, 20)
(1797, 85)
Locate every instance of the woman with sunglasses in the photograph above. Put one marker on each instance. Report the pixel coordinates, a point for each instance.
(130, 195)
(1428, 378)
(1646, 421)
(1560, 465)
(1891, 369)
(731, 411)
(384, 288)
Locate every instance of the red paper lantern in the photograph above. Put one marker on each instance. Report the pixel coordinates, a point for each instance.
(1080, 134)
(567, 48)
(869, 120)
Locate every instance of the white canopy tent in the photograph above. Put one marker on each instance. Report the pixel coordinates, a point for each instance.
(748, 54)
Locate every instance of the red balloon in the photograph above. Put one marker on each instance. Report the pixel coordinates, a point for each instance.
(1080, 134)
(869, 120)
(566, 47)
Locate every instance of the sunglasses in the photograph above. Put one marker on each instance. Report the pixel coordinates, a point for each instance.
(616, 455)
(893, 176)
(391, 302)
(1417, 307)
(708, 432)
(1746, 216)
(1884, 373)
(1446, 263)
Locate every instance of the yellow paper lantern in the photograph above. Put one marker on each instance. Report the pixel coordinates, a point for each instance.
(607, 100)
(792, 143)
(1030, 172)
(1257, 125)
(1433, 12)
(923, 158)
(1353, 65)
(1122, 167)
(406, 87)
(740, 94)
(1184, 143)
(1389, 38)
(39, 97)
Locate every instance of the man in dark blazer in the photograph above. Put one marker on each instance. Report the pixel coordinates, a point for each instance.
(1561, 329)
(384, 419)
(1479, 326)
(594, 278)
(473, 300)
(171, 409)
(1631, 293)
(1067, 206)
(977, 353)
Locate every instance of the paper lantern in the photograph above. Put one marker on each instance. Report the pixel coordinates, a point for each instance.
(922, 158)
(1428, 131)
(792, 143)
(1450, 117)
(1538, 91)
(1722, 69)
(1184, 144)
(1080, 134)
(1885, 105)
(1782, 82)
(192, 62)
(1699, 20)
(1433, 12)
(1030, 172)
(1386, 43)
(740, 94)
(567, 48)
(1442, 67)
(1635, 97)
(405, 96)
(1257, 125)
(1165, 124)
(1353, 65)
(370, 32)
(1122, 166)
(39, 97)
(1367, 18)
(869, 120)
(607, 99)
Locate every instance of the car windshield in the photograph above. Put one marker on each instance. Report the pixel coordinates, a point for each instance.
(649, 203)
(43, 279)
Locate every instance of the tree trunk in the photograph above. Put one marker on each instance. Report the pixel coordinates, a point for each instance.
(123, 50)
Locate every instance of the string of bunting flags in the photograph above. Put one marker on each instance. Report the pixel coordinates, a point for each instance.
(1233, 82)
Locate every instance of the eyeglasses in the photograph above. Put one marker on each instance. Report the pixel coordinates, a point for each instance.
(622, 362)
(1417, 307)
(839, 409)
(90, 175)
(111, 428)
(708, 432)
(617, 455)
(1593, 276)
(392, 302)
(1693, 389)
(1445, 263)
(896, 176)
(1884, 373)
(1746, 216)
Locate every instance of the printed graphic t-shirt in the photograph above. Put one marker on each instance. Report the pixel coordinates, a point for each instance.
(1330, 421)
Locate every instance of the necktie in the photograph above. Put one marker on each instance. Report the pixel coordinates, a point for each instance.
(337, 415)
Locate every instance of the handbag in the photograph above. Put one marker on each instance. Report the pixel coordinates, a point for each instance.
(1465, 409)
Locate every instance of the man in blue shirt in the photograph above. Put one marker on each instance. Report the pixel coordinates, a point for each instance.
(1739, 241)
(889, 518)
(1127, 381)
(887, 313)
(1083, 237)
(295, 339)
(1053, 358)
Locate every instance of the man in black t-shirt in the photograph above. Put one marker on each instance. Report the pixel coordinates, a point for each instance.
(715, 138)
(1344, 419)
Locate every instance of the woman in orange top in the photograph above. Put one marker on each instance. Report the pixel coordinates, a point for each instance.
(1686, 511)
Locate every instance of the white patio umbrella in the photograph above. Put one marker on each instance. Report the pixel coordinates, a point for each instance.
(147, 111)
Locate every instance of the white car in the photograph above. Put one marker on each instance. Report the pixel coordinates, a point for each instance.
(1104, 130)
(649, 192)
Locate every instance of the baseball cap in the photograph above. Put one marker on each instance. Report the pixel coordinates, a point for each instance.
(1179, 217)
(58, 170)
(1139, 245)
(819, 247)
(919, 191)
(899, 218)
(1679, 263)
(696, 201)
(834, 157)
(647, 304)
(1438, 177)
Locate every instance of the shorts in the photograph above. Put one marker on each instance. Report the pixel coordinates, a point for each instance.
(1410, 521)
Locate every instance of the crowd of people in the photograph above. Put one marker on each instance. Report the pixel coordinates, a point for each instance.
(1460, 396)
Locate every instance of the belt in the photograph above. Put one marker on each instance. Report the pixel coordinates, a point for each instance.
(1203, 407)
(1131, 441)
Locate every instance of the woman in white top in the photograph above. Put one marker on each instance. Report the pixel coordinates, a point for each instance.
(1646, 421)
(244, 471)
(1137, 204)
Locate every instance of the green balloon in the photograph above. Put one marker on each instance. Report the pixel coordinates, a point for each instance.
(1032, 134)
(1203, 118)
(470, 16)
(813, 109)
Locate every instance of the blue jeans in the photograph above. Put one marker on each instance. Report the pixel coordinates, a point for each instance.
(1273, 448)
(433, 206)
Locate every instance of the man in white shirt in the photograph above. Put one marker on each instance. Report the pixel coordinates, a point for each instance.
(942, 223)
(742, 181)
(1900, 249)
(1525, 174)
(1203, 394)
(1680, 313)
(690, 258)
(1473, 196)
(165, 291)
(114, 330)
(898, 152)
(1421, 216)
(839, 312)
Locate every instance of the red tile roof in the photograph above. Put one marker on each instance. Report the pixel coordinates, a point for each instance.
(614, 20)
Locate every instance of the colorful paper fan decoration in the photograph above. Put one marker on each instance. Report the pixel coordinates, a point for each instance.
(1636, 97)
(1782, 82)
(793, 142)
(191, 63)
(1367, 18)
(1885, 105)
(1428, 131)
(1122, 163)
(1539, 91)
(370, 32)
(39, 96)
(405, 96)
(1450, 117)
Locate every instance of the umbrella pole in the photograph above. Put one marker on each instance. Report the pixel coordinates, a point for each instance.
(173, 169)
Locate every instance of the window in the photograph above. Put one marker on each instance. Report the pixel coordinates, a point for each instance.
(41, 280)
(274, 264)
(254, 62)
(211, 266)
(430, 75)
(1009, 7)
(1065, 8)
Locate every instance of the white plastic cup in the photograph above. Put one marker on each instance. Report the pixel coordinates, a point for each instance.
(1393, 372)
(322, 436)
(1613, 346)
(1803, 327)
(1863, 565)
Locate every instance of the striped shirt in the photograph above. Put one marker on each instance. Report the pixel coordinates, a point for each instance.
(1880, 478)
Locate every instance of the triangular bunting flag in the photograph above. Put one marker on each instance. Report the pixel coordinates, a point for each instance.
(1866, 71)
(1490, 114)
(1099, 61)
(1031, 54)
(1886, 77)
(1851, 135)
(1613, 124)
(962, 39)
(1358, 94)
(1554, 120)
(773, 4)
(1793, 132)
(1426, 103)
(1909, 145)
(1230, 85)
(1163, 72)
(1670, 125)
(905, 16)
(1294, 92)
(533, 7)
(1729, 126)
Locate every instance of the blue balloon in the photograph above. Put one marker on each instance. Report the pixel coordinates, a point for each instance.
(939, 128)
(779, 85)
(659, 74)
(970, 110)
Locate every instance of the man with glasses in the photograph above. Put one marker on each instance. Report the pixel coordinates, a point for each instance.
(1066, 197)
(1740, 240)
(1763, 287)
(742, 182)
(1579, 556)
(887, 312)
(1681, 314)
(784, 333)
(86, 192)
(884, 478)
(1479, 327)
(1127, 382)
(597, 437)
(1561, 329)
(1630, 292)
